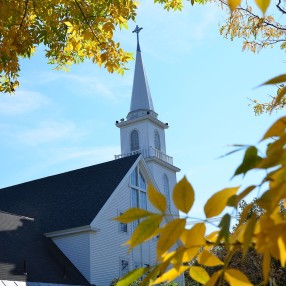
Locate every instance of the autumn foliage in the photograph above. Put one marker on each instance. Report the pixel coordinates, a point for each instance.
(264, 234)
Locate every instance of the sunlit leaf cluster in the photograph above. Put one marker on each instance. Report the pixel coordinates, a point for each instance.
(71, 31)
(177, 246)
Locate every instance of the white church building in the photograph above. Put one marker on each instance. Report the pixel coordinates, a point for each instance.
(60, 229)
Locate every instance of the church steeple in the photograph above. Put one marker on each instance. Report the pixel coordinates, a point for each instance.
(141, 99)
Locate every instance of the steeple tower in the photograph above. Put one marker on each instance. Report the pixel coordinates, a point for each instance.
(141, 100)
(144, 133)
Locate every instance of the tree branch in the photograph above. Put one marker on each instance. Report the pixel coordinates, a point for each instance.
(279, 8)
(86, 21)
(256, 16)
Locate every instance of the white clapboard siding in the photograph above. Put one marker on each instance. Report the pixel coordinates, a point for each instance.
(107, 243)
(76, 248)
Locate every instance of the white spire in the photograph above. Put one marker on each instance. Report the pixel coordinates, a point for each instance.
(141, 96)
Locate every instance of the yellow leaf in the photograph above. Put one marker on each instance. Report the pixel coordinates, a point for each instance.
(69, 24)
(234, 277)
(282, 250)
(279, 96)
(233, 4)
(132, 276)
(277, 79)
(266, 266)
(211, 240)
(194, 237)
(171, 275)
(213, 278)
(156, 199)
(190, 253)
(199, 274)
(183, 195)
(145, 230)
(132, 214)
(277, 129)
(248, 233)
(216, 204)
(170, 234)
(208, 259)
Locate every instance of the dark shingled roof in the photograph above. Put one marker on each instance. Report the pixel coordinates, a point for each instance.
(26, 255)
(58, 202)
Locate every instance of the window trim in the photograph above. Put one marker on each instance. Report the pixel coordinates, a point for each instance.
(139, 191)
(120, 266)
(157, 136)
(132, 132)
(166, 191)
(119, 213)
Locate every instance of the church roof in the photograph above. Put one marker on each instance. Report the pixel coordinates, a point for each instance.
(27, 255)
(58, 202)
(141, 97)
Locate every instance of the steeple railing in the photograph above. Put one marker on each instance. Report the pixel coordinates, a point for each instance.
(149, 153)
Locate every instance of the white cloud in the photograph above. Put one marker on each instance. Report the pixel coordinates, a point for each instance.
(86, 156)
(23, 102)
(49, 131)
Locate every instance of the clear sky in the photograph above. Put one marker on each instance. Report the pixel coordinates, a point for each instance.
(200, 84)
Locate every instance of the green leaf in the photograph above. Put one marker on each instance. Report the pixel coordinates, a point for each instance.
(170, 234)
(250, 161)
(224, 225)
(184, 195)
(199, 274)
(132, 214)
(235, 277)
(216, 203)
(157, 199)
(132, 276)
(145, 230)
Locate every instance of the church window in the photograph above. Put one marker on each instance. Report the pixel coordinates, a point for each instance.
(124, 267)
(157, 140)
(134, 140)
(142, 181)
(166, 189)
(122, 226)
(138, 192)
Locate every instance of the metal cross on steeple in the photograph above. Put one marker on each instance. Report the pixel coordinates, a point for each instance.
(137, 31)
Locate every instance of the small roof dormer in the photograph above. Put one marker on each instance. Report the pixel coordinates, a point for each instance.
(141, 100)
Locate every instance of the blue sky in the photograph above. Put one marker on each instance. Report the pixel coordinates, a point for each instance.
(200, 84)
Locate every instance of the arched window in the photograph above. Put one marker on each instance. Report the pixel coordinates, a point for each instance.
(157, 140)
(134, 140)
(166, 189)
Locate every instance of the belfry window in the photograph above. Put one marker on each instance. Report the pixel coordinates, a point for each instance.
(134, 140)
(166, 189)
(157, 142)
